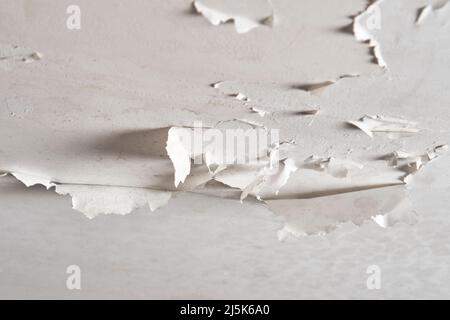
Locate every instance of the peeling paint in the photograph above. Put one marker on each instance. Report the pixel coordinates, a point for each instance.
(245, 15)
(365, 24)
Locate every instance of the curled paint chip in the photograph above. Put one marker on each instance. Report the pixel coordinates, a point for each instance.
(309, 112)
(246, 15)
(363, 26)
(32, 180)
(411, 163)
(424, 12)
(260, 112)
(370, 124)
(240, 97)
(180, 152)
(319, 87)
(230, 91)
(216, 85)
(10, 54)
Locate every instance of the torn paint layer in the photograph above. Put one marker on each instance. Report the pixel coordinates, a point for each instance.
(315, 87)
(246, 15)
(385, 206)
(32, 180)
(95, 200)
(370, 124)
(82, 101)
(264, 177)
(365, 24)
(216, 148)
